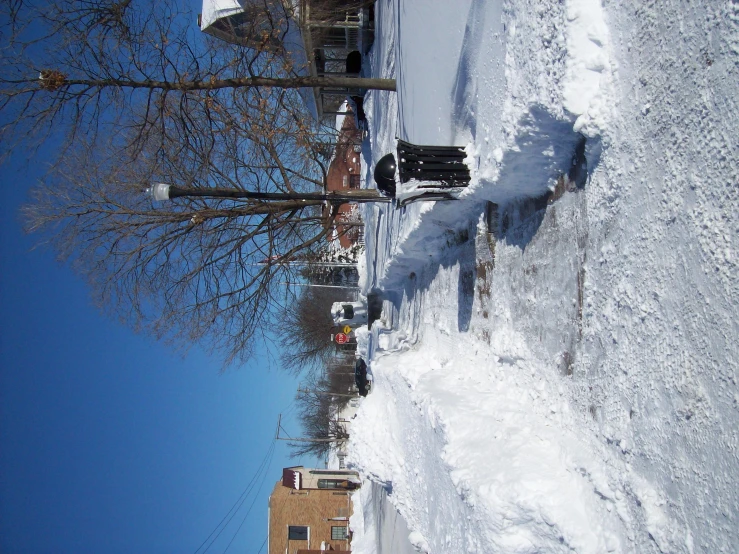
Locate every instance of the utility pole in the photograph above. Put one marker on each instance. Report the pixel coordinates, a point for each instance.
(277, 432)
(301, 439)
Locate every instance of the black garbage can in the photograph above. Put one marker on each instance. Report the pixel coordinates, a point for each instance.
(443, 164)
(436, 167)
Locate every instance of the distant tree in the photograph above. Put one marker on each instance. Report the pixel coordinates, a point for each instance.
(307, 345)
(328, 274)
(339, 378)
(318, 415)
(343, 361)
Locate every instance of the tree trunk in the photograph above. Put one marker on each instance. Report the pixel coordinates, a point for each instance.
(236, 82)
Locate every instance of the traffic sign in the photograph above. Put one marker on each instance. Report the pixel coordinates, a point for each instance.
(347, 329)
(341, 338)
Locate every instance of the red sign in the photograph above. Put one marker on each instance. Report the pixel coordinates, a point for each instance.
(341, 338)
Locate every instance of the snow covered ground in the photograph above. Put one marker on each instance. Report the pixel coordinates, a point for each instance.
(561, 375)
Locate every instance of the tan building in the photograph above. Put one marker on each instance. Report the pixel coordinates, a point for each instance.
(309, 511)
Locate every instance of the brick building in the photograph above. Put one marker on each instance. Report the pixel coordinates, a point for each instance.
(309, 511)
(344, 173)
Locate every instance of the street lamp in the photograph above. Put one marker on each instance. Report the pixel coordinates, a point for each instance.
(163, 191)
(159, 191)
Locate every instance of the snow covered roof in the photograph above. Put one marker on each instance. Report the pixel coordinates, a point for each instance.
(216, 9)
(340, 118)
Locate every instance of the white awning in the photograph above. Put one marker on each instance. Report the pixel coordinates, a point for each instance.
(216, 9)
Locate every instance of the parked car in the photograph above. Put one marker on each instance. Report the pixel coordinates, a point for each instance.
(361, 378)
(353, 314)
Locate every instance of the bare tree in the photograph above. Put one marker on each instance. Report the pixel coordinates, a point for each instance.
(193, 269)
(137, 98)
(333, 269)
(83, 63)
(307, 346)
(340, 378)
(318, 414)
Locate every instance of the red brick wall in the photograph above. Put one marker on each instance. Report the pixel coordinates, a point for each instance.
(344, 171)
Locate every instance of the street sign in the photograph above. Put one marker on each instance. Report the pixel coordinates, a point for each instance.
(347, 329)
(341, 338)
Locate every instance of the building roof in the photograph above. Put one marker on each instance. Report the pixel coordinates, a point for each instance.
(215, 9)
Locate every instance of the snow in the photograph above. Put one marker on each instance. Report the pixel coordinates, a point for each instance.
(340, 118)
(382, 529)
(562, 378)
(213, 10)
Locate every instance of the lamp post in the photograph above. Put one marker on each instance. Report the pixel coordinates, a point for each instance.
(162, 191)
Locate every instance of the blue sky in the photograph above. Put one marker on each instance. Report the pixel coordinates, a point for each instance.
(109, 441)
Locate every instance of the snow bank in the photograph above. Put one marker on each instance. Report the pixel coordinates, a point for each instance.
(517, 84)
(510, 449)
(568, 381)
(586, 86)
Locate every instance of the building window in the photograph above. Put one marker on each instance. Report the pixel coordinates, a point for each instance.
(329, 484)
(354, 181)
(297, 533)
(338, 533)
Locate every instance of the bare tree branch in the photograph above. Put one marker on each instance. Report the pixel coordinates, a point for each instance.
(132, 96)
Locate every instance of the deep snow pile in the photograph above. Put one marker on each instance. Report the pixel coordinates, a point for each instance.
(558, 376)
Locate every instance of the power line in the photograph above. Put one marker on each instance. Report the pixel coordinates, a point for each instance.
(283, 430)
(265, 464)
(235, 508)
(264, 477)
(250, 485)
